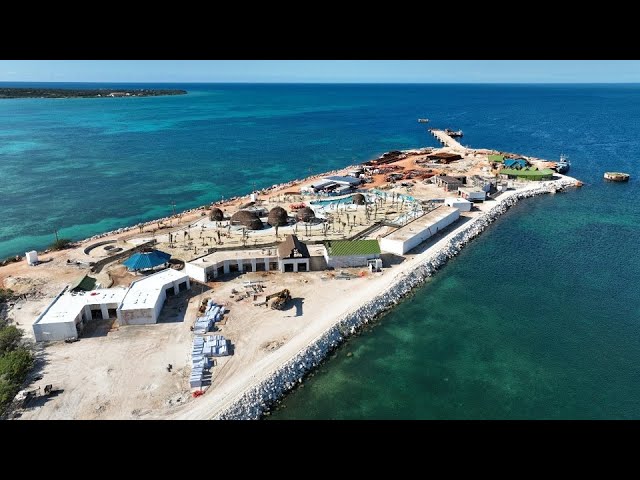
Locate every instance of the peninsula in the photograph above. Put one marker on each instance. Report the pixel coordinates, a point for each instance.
(216, 312)
(24, 92)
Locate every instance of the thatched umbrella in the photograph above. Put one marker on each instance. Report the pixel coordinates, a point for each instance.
(359, 199)
(305, 214)
(246, 219)
(216, 215)
(277, 217)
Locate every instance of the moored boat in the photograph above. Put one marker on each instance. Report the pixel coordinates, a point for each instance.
(616, 176)
(562, 165)
(423, 120)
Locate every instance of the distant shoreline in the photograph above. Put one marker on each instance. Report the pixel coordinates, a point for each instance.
(25, 92)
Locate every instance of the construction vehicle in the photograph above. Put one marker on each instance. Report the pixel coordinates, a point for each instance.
(281, 298)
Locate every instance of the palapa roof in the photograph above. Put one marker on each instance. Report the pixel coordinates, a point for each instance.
(278, 216)
(305, 214)
(291, 243)
(359, 199)
(216, 214)
(246, 219)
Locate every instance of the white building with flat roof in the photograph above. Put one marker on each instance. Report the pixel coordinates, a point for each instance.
(145, 297)
(460, 203)
(140, 303)
(68, 313)
(417, 231)
(227, 261)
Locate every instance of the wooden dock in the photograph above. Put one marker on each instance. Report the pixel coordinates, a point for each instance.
(448, 141)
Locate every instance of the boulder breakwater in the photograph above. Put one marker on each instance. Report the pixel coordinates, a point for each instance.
(259, 398)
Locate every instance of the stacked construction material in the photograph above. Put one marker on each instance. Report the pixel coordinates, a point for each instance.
(215, 346)
(212, 314)
(202, 351)
(197, 363)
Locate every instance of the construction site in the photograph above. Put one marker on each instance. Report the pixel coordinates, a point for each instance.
(252, 280)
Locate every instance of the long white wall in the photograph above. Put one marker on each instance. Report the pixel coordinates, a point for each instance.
(400, 247)
(198, 273)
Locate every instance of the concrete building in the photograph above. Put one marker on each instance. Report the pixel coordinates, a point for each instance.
(222, 262)
(414, 233)
(293, 255)
(145, 297)
(140, 303)
(350, 253)
(472, 194)
(68, 313)
(449, 183)
(461, 204)
(482, 183)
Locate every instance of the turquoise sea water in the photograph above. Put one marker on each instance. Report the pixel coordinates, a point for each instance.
(537, 318)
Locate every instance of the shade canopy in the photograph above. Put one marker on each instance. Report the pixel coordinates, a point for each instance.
(277, 217)
(145, 260)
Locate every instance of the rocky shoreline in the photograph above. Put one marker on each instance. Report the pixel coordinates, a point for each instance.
(259, 398)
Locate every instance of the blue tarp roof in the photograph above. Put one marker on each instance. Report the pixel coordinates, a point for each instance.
(144, 260)
(509, 162)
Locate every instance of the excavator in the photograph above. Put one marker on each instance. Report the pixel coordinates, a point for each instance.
(281, 298)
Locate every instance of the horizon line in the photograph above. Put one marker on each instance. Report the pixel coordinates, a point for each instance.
(314, 82)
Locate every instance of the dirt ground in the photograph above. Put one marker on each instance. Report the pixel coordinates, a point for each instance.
(121, 372)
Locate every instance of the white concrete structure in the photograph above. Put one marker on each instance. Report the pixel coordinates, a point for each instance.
(226, 261)
(67, 314)
(290, 256)
(32, 257)
(144, 299)
(461, 204)
(472, 194)
(414, 233)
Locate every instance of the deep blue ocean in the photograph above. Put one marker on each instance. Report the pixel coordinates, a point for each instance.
(537, 318)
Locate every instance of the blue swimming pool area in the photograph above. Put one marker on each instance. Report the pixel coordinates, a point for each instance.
(329, 201)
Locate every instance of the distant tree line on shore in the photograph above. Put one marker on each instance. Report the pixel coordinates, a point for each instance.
(25, 92)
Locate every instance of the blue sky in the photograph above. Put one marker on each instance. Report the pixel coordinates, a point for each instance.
(383, 71)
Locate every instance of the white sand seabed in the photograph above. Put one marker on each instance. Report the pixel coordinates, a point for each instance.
(249, 395)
